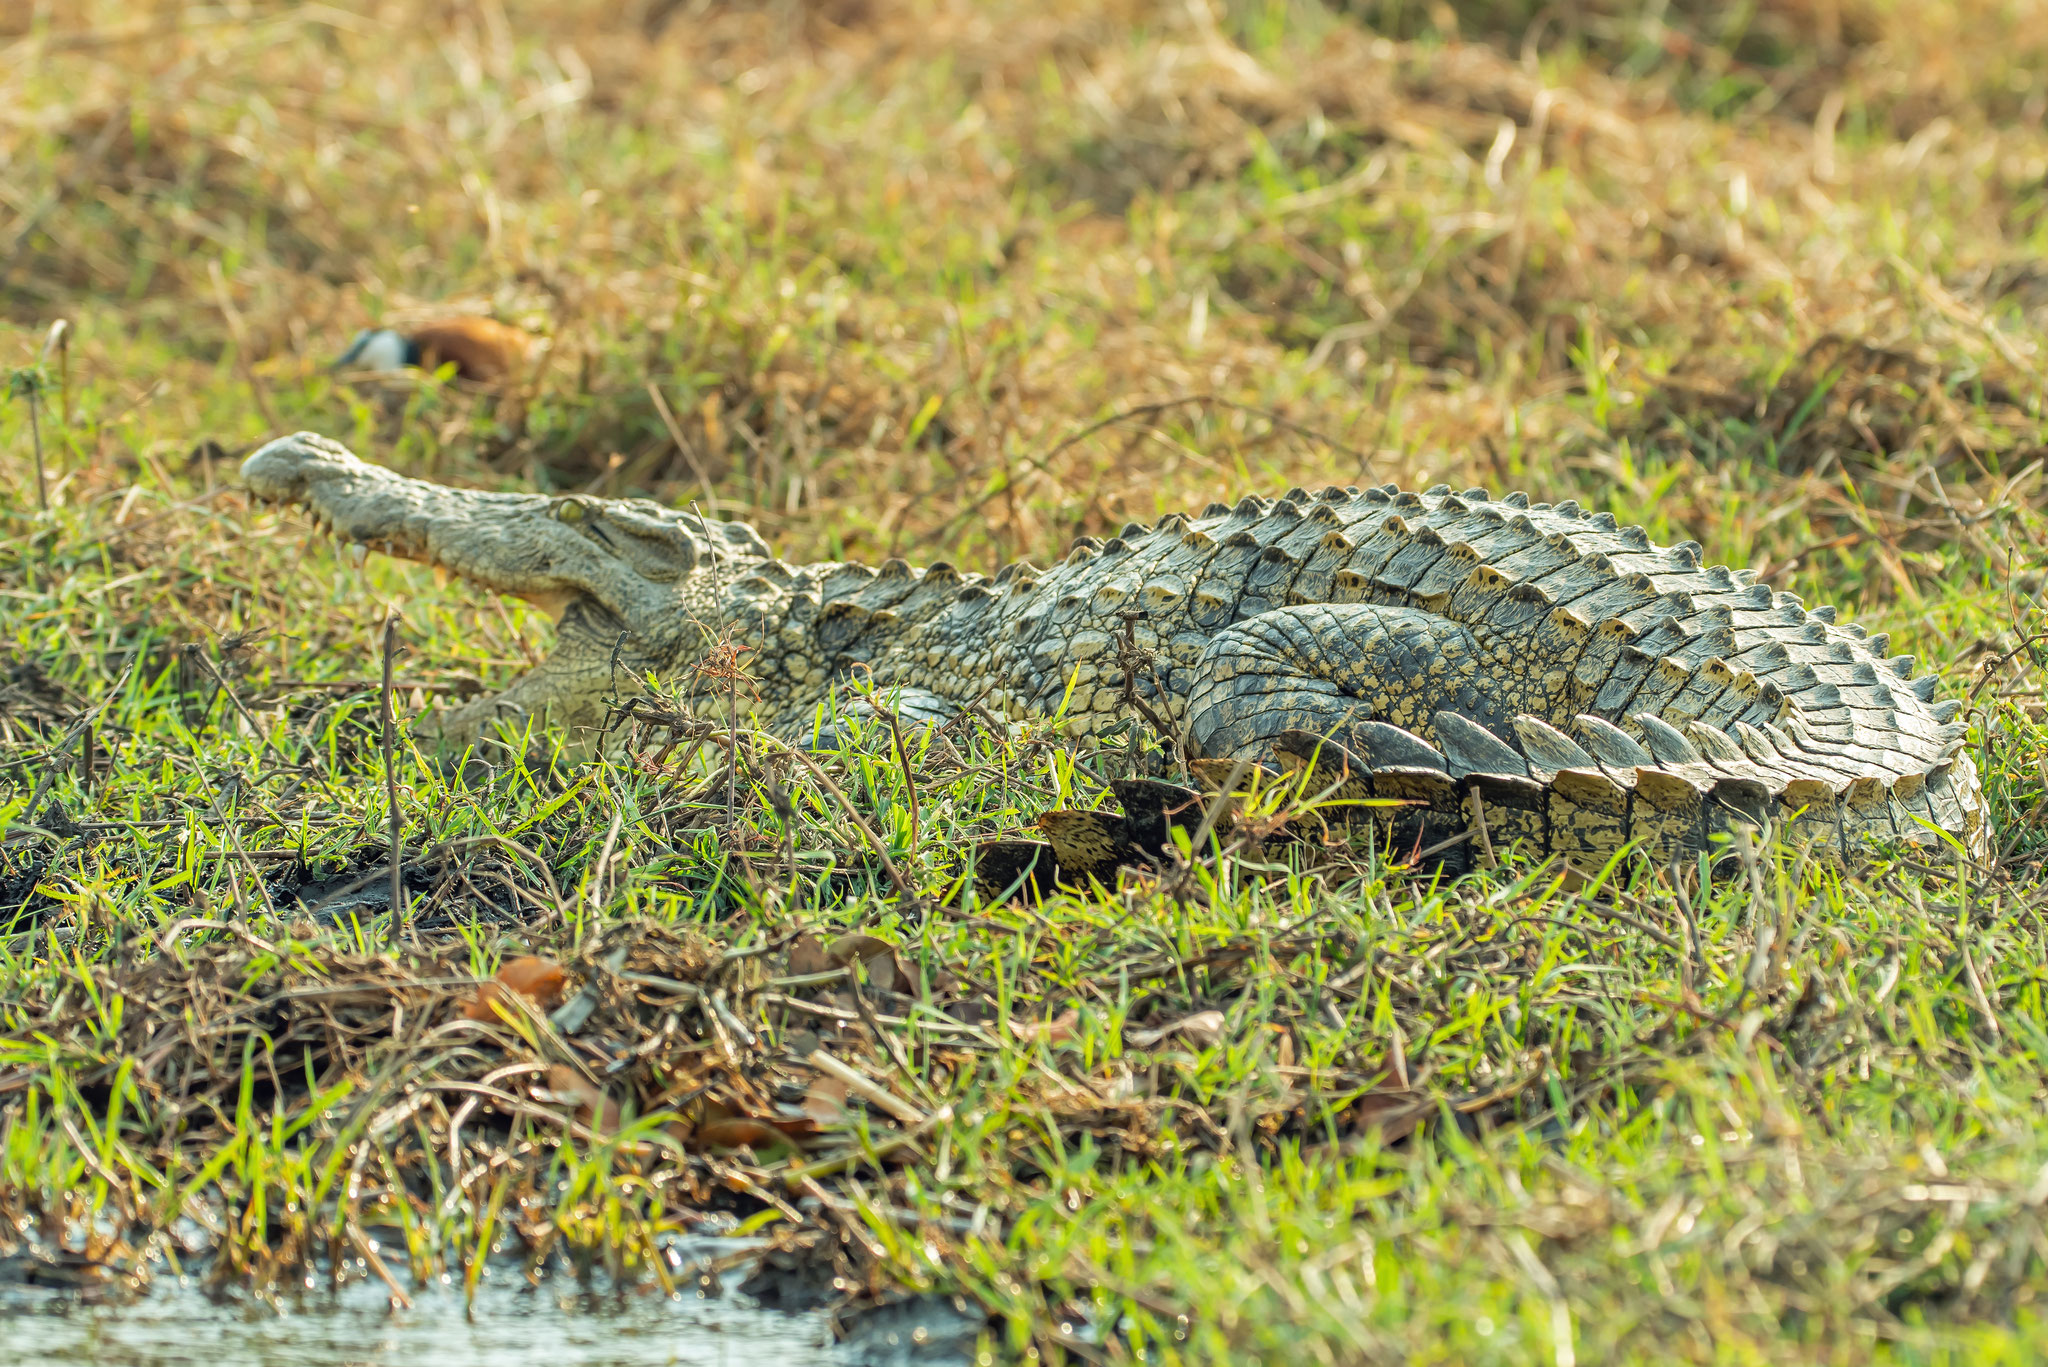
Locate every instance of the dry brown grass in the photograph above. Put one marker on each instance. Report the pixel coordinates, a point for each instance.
(809, 221)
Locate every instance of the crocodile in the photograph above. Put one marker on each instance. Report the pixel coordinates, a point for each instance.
(1532, 672)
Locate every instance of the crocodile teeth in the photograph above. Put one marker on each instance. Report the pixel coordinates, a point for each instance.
(358, 553)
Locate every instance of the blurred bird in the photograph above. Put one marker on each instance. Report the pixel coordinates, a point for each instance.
(480, 349)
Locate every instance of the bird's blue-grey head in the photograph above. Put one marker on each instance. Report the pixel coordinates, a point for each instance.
(377, 349)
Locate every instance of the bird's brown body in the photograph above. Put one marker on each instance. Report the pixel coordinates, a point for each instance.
(481, 349)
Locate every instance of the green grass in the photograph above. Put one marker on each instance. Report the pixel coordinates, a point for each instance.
(881, 265)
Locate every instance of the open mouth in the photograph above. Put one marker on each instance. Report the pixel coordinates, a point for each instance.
(359, 548)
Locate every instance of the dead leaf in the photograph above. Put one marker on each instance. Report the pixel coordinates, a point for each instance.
(807, 956)
(800, 1128)
(825, 1100)
(857, 945)
(538, 980)
(885, 972)
(1058, 1030)
(1392, 1113)
(695, 1116)
(1202, 1029)
(737, 1132)
(713, 1124)
(593, 1107)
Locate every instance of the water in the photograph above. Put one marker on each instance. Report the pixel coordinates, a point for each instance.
(510, 1325)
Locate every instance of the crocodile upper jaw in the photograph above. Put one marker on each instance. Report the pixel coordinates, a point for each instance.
(629, 558)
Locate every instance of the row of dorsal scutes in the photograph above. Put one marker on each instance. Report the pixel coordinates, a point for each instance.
(1630, 627)
(1604, 788)
(859, 598)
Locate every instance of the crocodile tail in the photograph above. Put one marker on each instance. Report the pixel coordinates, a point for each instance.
(1671, 796)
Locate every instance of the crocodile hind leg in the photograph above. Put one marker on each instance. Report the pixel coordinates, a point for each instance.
(1403, 712)
(1326, 668)
(1273, 682)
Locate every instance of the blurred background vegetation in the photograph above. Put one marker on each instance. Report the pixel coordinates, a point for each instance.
(1769, 275)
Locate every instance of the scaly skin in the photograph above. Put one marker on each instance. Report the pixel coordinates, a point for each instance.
(1313, 616)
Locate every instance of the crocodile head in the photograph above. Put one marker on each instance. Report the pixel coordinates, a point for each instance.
(628, 581)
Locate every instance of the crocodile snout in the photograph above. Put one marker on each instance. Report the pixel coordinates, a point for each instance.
(286, 470)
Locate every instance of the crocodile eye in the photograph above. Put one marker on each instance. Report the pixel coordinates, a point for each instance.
(569, 509)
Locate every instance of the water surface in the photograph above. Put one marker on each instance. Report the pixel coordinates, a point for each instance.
(177, 1324)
